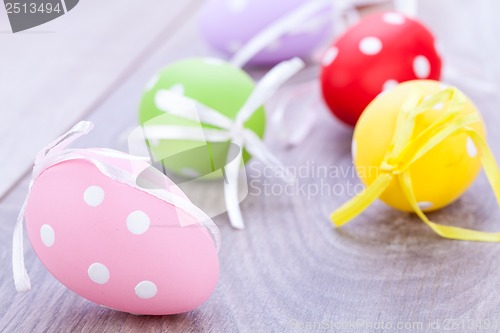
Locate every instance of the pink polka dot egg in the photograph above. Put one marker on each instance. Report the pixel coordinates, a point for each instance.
(118, 245)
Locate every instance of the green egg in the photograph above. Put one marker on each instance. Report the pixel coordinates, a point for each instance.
(214, 83)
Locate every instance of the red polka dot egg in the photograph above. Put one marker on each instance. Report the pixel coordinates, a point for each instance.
(374, 55)
(119, 246)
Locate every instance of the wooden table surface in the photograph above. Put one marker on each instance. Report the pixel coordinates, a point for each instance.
(289, 270)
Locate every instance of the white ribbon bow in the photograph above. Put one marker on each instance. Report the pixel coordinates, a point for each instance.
(55, 153)
(227, 129)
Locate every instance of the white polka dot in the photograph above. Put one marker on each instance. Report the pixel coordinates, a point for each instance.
(393, 18)
(421, 67)
(138, 222)
(234, 46)
(213, 61)
(443, 86)
(152, 82)
(370, 45)
(94, 196)
(188, 172)
(471, 148)
(330, 56)
(425, 204)
(438, 106)
(177, 89)
(47, 234)
(237, 6)
(146, 289)
(389, 84)
(354, 149)
(98, 273)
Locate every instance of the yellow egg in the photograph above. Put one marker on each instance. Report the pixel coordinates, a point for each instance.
(442, 174)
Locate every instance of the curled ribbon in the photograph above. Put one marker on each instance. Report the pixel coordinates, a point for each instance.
(56, 153)
(405, 150)
(295, 114)
(226, 129)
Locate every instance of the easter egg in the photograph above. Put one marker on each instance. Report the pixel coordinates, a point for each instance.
(374, 55)
(438, 177)
(228, 25)
(213, 83)
(116, 245)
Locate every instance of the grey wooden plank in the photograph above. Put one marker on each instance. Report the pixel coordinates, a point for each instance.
(289, 270)
(56, 73)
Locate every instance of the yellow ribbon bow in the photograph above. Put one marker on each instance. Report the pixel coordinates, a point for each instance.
(405, 150)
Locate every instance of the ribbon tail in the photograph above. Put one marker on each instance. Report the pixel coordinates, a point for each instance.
(457, 233)
(444, 231)
(20, 274)
(293, 129)
(21, 277)
(360, 202)
(268, 86)
(489, 163)
(258, 150)
(59, 144)
(82, 128)
(231, 189)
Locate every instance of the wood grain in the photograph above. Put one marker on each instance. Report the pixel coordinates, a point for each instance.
(55, 74)
(289, 271)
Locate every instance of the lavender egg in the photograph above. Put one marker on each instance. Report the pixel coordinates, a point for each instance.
(228, 25)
